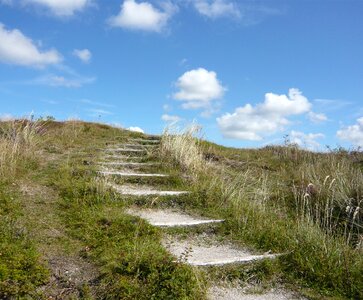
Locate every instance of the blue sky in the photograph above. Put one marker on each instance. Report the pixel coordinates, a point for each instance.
(250, 72)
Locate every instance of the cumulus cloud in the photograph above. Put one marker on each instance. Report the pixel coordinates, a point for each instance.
(253, 122)
(61, 81)
(353, 133)
(170, 118)
(317, 118)
(135, 129)
(84, 55)
(198, 88)
(307, 141)
(143, 16)
(216, 8)
(61, 8)
(18, 49)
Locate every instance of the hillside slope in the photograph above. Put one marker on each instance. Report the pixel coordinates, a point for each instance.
(69, 231)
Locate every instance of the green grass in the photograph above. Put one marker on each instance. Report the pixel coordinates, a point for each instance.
(265, 197)
(124, 252)
(127, 250)
(21, 270)
(52, 207)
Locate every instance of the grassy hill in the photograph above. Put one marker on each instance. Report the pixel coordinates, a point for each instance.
(64, 233)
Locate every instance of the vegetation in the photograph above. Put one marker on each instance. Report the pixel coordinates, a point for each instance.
(64, 233)
(286, 200)
(58, 220)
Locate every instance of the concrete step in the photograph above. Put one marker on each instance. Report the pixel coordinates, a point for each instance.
(138, 146)
(129, 164)
(121, 158)
(156, 141)
(124, 150)
(238, 293)
(131, 174)
(135, 190)
(198, 252)
(170, 218)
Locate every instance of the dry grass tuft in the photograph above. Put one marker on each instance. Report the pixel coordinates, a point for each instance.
(181, 146)
(18, 141)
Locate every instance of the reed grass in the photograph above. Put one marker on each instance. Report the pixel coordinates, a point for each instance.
(19, 140)
(181, 148)
(284, 199)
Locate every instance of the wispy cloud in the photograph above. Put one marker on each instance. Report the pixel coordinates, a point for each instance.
(171, 118)
(61, 8)
(54, 80)
(6, 117)
(332, 104)
(217, 8)
(95, 112)
(84, 55)
(317, 117)
(96, 103)
(246, 13)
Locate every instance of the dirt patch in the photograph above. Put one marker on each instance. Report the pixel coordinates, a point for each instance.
(70, 275)
(71, 278)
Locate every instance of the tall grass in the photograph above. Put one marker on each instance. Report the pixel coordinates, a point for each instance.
(18, 141)
(331, 195)
(309, 206)
(181, 146)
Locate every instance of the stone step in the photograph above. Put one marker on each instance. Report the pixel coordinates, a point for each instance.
(238, 293)
(121, 157)
(128, 164)
(138, 146)
(131, 174)
(156, 141)
(124, 150)
(197, 252)
(134, 190)
(170, 218)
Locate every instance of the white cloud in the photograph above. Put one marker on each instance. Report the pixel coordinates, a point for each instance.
(98, 112)
(170, 118)
(61, 81)
(167, 107)
(96, 103)
(216, 8)
(353, 133)
(307, 141)
(17, 49)
(61, 8)
(135, 129)
(317, 118)
(84, 55)
(6, 117)
(253, 122)
(198, 88)
(143, 16)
